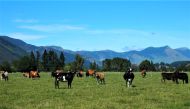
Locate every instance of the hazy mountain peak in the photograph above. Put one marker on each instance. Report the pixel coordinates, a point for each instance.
(182, 48)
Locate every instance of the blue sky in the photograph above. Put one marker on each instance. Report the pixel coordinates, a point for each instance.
(98, 25)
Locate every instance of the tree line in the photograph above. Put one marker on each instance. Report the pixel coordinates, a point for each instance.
(47, 61)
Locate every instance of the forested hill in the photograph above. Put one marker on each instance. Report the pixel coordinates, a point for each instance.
(11, 49)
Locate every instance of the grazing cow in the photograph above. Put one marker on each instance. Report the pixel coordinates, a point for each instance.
(175, 76)
(90, 72)
(79, 74)
(4, 76)
(31, 74)
(100, 77)
(34, 74)
(64, 77)
(129, 76)
(143, 73)
(168, 76)
(182, 76)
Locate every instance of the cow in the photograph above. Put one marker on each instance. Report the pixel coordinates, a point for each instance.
(4, 76)
(64, 77)
(128, 77)
(90, 72)
(31, 74)
(100, 77)
(175, 76)
(1, 73)
(79, 74)
(143, 73)
(182, 76)
(168, 76)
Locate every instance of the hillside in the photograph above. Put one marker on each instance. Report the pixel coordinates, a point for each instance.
(9, 52)
(14, 48)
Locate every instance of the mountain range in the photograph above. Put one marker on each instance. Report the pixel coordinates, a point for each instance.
(11, 49)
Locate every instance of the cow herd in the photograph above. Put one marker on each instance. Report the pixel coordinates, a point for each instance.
(61, 76)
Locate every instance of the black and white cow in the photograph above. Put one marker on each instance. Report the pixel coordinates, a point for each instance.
(129, 76)
(64, 77)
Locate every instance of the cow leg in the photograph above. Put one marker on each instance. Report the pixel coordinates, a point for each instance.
(126, 82)
(104, 81)
(129, 82)
(97, 81)
(56, 84)
(69, 84)
(177, 81)
(6, 78)
(163, 80)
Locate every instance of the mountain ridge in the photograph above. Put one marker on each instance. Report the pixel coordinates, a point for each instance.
(156, 54)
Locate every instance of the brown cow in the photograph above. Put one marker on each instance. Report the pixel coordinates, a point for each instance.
(90, 72)
(143, 73)
(34, 74)
(31, 74)
(100, 77)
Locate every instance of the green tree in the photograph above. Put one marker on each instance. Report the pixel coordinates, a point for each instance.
(45, 60)
(23, 64)
(79, 61)
(38, 59)
(33, 61)
(6, 66)
(53, 62)
(116, 64)
(145, 65)
(106, 65)
(93, 65)
(62, 60)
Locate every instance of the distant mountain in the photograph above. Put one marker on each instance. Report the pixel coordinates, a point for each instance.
(184, 51)
(8, 51)
(15, 48)
(27, 48)
(19, 43)
(162, 54)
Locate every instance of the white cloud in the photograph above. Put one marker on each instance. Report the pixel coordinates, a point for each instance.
(51, 28)
(25, 37)
(126, 32)
(25, 20)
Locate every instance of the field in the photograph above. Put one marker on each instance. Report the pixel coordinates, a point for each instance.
(147, 93)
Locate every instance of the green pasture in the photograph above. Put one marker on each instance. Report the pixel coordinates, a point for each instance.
(147, 93)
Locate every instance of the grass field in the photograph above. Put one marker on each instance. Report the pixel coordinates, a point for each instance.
(147, 93)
